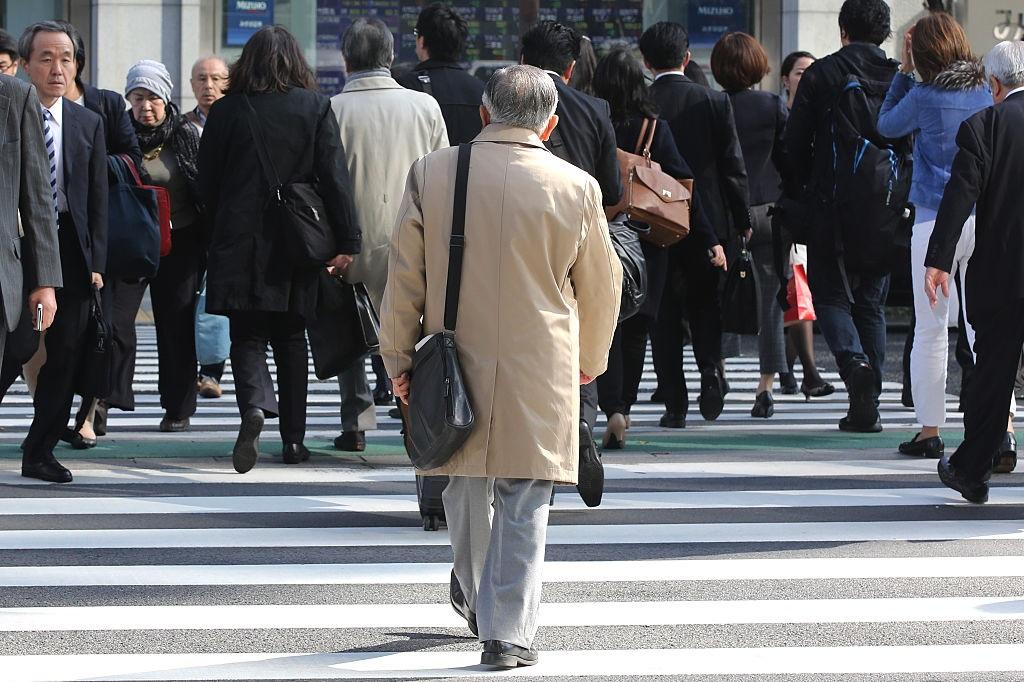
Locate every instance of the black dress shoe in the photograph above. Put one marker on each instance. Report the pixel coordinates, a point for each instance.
(382, 395)
(849, 425)
(712, 394)
(458, 599)
(787, 383)
(247, 446)
(99, 420)
(931, 448)
(395, 413)
(972, 491)
(1006, 459)
(46, 470)
(77, 440)
(764, 406)
(295, 453)
(171, 424)
(351, 441)
(860, 384)
(591, 472)
(504, 655)
(673, 420)
(656, 396)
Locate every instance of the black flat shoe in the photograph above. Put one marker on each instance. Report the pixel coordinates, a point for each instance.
(712, 394)
(395, 413)
(295, 453)
(173, 425)
(972, 491)
(49, 470)
(787, 384)
(247, 446)
(351, 441)
(764, 406)
(817, 390)
(77, 440)
(382, 396)
(1006, 459)
(673, 420)
(504, 655)
(590, 475)
(932, 448)
(458, 600)
(850, 426)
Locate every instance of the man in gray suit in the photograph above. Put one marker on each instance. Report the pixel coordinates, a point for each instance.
(31, 262)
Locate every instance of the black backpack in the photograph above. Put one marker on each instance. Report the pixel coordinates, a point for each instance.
(871, 181)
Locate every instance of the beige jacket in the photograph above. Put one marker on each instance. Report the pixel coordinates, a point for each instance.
(384, 129)
(540, 296)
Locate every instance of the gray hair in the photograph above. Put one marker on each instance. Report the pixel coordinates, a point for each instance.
(521, 96)
(207, 58)
(368, 44)
(28, 36)
(1005, 63)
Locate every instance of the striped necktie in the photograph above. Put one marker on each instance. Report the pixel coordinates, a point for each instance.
(51, 152)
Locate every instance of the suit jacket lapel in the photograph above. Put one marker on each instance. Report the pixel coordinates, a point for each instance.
(69, 144)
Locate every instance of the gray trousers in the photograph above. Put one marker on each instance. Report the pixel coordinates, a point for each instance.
(498, 528)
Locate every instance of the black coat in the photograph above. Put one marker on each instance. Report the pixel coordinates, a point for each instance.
(457, 93)
(585, 138)
(986, 173)
(85, 181)
(117, 126)
(702, 124)
(760, 123)
(249, 269)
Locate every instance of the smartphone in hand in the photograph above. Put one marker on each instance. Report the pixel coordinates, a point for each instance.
(39, 317)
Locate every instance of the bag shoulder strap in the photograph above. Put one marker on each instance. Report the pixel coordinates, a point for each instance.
(457, 243)
(646, 137)
(269, 169)
(424, 78)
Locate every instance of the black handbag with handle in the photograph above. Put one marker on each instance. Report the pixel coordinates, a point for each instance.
(740, 312)
(440, 413)
(133, 233)
(298, 207)
(95, 373)
(346, 328)
(626, 241)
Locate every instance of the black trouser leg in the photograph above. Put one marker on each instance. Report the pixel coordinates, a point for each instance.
(588, 404)
(609, 384)
(215, 371)
(634, 351)
(997, 344)
(288, 337)
(380, 371)
(19, 347)
(174, 291)
(254, 387)
(703, 307)
(669, 339)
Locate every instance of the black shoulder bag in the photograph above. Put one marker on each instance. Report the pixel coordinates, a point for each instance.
(298, 208)
(440, 414)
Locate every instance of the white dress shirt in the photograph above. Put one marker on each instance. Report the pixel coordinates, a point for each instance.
(674, 72)
(1015, 91)
(56, 123)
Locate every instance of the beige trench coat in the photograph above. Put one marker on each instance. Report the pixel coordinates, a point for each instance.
(541, 285)
(384, 130)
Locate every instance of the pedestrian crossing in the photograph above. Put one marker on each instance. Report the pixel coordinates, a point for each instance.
(217, 419)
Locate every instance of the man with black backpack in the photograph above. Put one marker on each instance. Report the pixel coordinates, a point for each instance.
(857, 183)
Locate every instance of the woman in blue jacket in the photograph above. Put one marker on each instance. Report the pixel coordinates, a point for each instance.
(952, 88)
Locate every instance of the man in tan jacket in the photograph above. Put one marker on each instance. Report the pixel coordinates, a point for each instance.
(540, 297)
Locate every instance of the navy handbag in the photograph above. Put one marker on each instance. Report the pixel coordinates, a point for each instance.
(133, 232)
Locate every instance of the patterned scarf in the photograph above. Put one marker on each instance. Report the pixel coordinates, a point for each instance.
(181, 138)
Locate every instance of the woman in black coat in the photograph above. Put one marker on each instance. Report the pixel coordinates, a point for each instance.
(619, 79)
(250, 276)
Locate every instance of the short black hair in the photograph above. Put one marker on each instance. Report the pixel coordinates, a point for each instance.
(665, 45)
(551, 46)
(8, 45)
(865, 21)
(444, 32)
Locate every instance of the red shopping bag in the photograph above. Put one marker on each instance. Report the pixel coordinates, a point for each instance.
(798, 295)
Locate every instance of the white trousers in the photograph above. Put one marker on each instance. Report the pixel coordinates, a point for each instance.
(929, 357)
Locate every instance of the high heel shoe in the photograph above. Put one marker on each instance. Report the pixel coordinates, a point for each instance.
(818, 390)
(764, 406)
(615, 432)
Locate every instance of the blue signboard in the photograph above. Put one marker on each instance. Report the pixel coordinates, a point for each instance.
(708, 20)
(242, 18)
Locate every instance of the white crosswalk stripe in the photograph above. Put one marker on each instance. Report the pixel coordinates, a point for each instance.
(705, 561)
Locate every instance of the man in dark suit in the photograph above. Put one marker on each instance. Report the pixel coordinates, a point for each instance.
(986, 177)
(78, 176)
(585, 138)
(441, 35)
(702, 124)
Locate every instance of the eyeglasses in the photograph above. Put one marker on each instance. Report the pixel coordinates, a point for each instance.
(5, 65)
(415, 33)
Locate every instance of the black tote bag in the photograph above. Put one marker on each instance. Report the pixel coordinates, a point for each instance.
(346, 328)
(133, 225)
(626, 241)
(740, 314)
(95, 373)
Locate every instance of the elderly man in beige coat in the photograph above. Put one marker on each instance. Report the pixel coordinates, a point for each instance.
(384, 129)
(540, 297)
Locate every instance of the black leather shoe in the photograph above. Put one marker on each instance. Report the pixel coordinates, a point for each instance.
(787, 384)
(77, 440)
(849, 425)
(591, 472)
(712, 394)
(860, 384)
(1006, 459)
(395, 413)
(673, 420)
(382, 395)
(764, 406)
(351, 441)
(458, 599)
(657, 397)
(932, 448)
(504, 655)
(972, 491)
(247, 446)
(46, 470)
(295, 453)
(171, 425)
(99, 420)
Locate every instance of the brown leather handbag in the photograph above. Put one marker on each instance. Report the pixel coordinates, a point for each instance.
(652, 196)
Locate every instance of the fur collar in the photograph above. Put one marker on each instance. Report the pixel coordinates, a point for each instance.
(961, 76)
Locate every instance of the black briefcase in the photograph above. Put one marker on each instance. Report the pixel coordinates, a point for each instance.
(346, 328)
(94, 376)
(740, 309)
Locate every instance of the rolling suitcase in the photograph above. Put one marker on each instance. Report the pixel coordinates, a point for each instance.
(428, 488)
